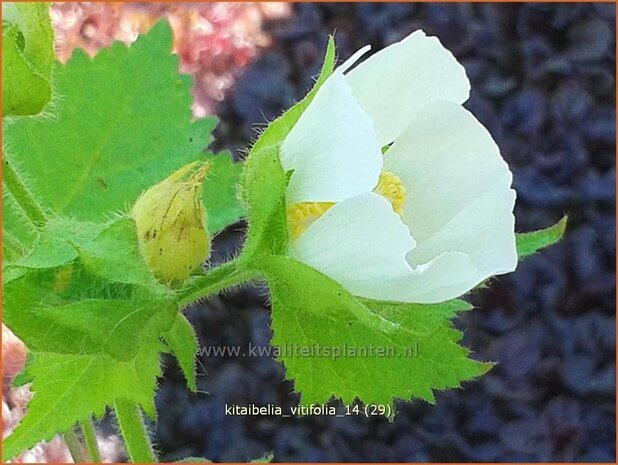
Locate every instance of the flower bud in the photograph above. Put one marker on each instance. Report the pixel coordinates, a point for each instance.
(171, 224)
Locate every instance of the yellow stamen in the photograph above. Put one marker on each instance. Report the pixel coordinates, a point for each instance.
(390, 187)
(302, 215)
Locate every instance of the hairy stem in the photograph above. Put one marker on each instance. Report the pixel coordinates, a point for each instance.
(75, 448)
(227, 275)
(133, 430)
(91, 441)
(22, 195)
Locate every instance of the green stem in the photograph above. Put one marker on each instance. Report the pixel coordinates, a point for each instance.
(22, 195)
(75, 448)
(227, 275)
(91, 441)
(133, 430)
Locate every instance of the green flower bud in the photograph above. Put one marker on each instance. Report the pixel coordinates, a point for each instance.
(171, 224)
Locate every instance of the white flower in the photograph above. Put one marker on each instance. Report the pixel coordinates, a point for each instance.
(427, 220)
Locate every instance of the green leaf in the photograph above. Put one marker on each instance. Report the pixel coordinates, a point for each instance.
(27, 57)
(18, 233)
(88, 321)
(113, 254)
(182, 341)
(94, 326)
(24, 91)
(263, 181)
(70, 388)
(219, 192)
(11, 272)
(101, 313)
(99, 303)
(24, 376)
(117, 124)
(34, 22)
(108, 250)
(532, 242)
(265, 459)
(400, 350)
(112, 326)
(49, 251)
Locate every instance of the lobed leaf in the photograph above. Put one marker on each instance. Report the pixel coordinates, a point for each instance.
(420, 351)
(111, 326)
(111, 130)
(94, 304)
(94, 325)
(69, 388)
(532, 242)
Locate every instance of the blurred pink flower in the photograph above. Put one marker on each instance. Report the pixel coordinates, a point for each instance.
(213, 40)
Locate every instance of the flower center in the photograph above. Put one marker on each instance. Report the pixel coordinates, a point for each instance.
(390, 187)
(301, 215)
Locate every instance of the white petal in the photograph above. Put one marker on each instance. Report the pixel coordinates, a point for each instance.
(394, 83)
(333, 148)
(355, 242)
(446, 159)
(362, 244)
(484, 231)
(353, 59)
(445, 277)
(458, 190)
